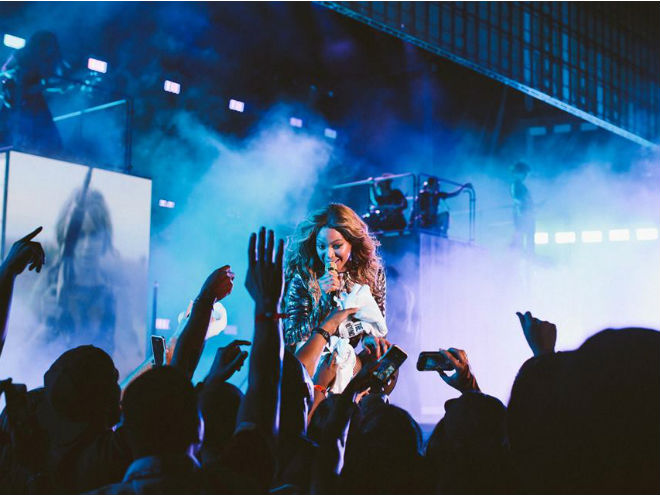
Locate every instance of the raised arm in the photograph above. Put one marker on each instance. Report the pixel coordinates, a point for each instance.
(330, 456)
(23, 252)
(453, 194)
(189, 346)
(540, 335)
(264, 282)
(462, 380)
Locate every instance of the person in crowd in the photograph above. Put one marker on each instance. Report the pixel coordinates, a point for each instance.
(433, 209)
(65, 441)
(296, 451)
(330, 253)
(25, 119)
(387, 445)
(220, 401)
(524, 222)
(471, 438)
(163, 427)
(161, 418)
(387, 206)
(585, 421)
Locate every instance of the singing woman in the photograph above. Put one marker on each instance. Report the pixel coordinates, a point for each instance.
(330, 252)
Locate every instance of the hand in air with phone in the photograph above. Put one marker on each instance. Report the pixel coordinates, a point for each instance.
(450, 360)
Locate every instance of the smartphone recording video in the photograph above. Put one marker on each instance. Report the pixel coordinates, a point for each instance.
(158, 349)
(433, 360)
(389, 363)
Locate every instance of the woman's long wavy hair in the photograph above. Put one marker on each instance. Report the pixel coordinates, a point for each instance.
(364, 262)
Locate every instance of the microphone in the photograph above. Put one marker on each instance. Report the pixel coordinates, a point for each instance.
(330, 266)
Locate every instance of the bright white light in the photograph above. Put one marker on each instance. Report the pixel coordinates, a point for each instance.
(617, 235)
(564, 237)
(14, 41)
(163, 203)
(97, 65)
(541, 238)
(646, 234)
(330, 133)
(295, 122)
(162, 324)
(236, 105)
(592, 236)
(172, 87)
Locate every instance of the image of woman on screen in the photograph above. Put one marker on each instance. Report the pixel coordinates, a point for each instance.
(77, 301)
(330, 252)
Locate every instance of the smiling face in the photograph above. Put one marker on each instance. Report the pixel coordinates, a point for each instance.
(332, 246)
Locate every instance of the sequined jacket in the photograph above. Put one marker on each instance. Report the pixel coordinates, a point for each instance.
(304, 314)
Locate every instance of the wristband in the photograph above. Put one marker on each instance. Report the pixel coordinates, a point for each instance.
(323, 333)
(270, 316)
(321, 389)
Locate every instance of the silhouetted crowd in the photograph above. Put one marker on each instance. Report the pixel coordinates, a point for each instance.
(584, 421)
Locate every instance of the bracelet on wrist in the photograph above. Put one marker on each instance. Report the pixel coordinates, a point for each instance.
(321, 389)
(270, 316)
(323, 333)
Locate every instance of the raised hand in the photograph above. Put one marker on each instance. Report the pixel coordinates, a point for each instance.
(265, 277)
(462, 380)
(25, 252)
(540, 335)
(218, 285)
(329, 282)
(361, 382)
(375, 346)
(228, 360)
(335, 318)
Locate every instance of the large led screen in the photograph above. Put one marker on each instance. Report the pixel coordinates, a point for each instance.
(93, 288)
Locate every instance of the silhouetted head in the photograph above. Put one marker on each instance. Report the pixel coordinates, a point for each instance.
(471, 438)
(587, 421)
(41, 54)
(616, 411)
(536, 426)
(520, 170)
(160, 413)
(82, 387)
(320, 418)
(219, 403)
(383, 456)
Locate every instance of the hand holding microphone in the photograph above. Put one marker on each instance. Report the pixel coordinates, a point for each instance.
(329, 282)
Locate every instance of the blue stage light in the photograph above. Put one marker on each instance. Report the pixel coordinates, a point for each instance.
(172, 87)
(162, 324)
(97, 65)
(236, 105)
(295, 122)
(14, 41)
(330, 133)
